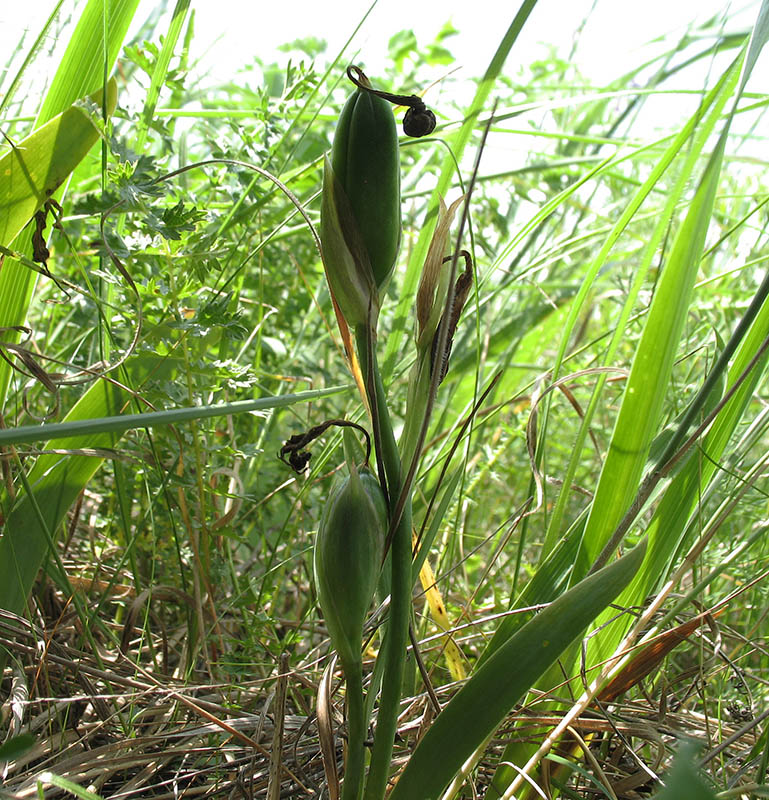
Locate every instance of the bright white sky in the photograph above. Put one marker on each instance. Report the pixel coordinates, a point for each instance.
(609, 46)
(229, 32)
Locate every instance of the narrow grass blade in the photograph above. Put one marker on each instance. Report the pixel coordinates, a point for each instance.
(95, 422)
(484, 701)
(126, 422)
(67, 785)
(160, 72)
(45, 32)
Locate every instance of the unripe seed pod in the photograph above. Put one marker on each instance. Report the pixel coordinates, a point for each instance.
(348, 558)
(366, 164)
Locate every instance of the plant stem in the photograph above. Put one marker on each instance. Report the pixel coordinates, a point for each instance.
(395, 658)
(356, 731)
(384, 438)
(396, 637)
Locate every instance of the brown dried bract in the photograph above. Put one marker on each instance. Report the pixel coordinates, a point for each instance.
(461, 291)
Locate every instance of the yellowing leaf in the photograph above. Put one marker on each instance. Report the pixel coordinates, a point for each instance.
(451, 651)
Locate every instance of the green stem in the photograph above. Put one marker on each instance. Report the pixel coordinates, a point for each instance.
(394, 647)
(395, 659)
(384, 437)
(356, 731)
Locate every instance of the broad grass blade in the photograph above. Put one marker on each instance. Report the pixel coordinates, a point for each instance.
(689, 141)
(484, 701)
(683, 496)
(32, 170)
(639, 416)
(660, 336)
(547, 583)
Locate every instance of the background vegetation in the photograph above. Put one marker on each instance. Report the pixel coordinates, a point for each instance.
(176, 585)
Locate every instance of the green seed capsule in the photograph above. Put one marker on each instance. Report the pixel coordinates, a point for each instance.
(348, 558)
(360, 221)
(366, 163)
